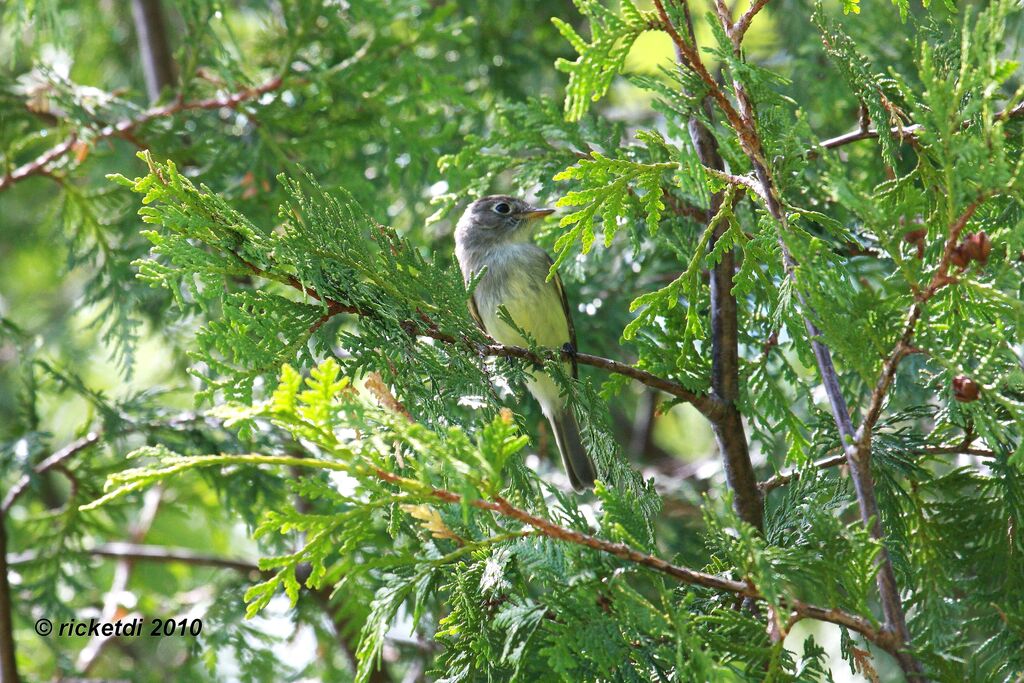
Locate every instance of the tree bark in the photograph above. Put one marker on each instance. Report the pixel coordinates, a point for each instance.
(8, 662)
(154, 49)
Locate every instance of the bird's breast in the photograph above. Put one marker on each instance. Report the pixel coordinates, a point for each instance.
(516, 278)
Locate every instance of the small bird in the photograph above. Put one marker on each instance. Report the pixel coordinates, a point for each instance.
(494, 233)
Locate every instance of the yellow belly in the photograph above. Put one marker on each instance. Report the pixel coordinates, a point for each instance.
(538, 311)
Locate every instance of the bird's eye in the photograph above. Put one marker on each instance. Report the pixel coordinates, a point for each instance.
(502, 208)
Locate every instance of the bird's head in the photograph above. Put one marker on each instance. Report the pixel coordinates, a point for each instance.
(497, 219)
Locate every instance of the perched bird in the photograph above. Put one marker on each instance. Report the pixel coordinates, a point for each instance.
(494, 233)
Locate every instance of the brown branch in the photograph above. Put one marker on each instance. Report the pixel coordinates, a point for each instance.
(40, 165)
(904, 132)
(55, 460)
(859, 462)
(142, 552)
(745, 588)
(942, 277)
(154, 50)
(725, 363)
(544, 527)
(909, 132)
(8, 660)
(739, 29)
(959, 450)
(708, 406)
(903, 346)
(784, 477)
(689, 56)
(682, 208)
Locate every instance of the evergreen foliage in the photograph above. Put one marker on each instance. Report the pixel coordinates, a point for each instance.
(232, 327)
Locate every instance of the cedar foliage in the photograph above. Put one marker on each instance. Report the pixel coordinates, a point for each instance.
(283, 239)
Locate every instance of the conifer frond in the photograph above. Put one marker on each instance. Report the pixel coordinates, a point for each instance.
(612, 35)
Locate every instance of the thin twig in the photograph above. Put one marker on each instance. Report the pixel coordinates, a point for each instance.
(144, 552)
(784, 477)
(909, 132)
(903, 346)
(707, 405)
(58, 458)
(40, 165)
(691, 58)
(682, 208)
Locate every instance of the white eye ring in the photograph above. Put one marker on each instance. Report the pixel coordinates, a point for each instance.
(503, 208)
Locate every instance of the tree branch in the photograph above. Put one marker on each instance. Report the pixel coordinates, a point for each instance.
(154, 50)
(725, 363)
(500, 506)
(786, 476)
(143, 552)
(903, 346)
(8, 661)
(744, 124)
(857, 136)
(739, 29)
(708, 406)
(909, 132)
(41, 164)
(859, 462)
(55, 460)
(58, 458)
(689, 56)
(680, 207)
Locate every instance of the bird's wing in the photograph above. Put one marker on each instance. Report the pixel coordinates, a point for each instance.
(475, 312)
(568, 316)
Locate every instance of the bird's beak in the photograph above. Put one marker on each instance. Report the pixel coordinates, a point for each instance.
(533, 214)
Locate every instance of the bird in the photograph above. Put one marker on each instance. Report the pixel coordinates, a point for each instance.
(494, 236)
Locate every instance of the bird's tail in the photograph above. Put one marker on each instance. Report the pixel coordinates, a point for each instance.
(575, 458)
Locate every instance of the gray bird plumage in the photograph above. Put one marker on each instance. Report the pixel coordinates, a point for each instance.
(494, 232)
